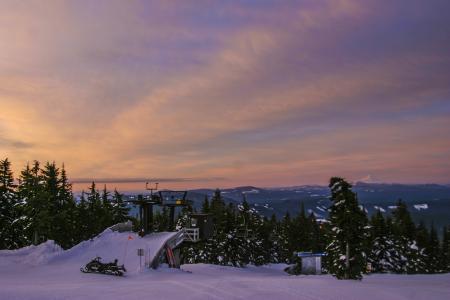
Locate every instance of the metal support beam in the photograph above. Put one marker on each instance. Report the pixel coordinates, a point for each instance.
(172, 218)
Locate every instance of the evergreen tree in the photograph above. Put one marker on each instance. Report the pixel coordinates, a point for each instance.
(10, 235)
(404, 226)
(36, 204)
(69, 215)
(53, 222)
(316, 235)
(62, 205)
(279, 252)
(412, 257)
(432, 251)
(161, 220)
(95, 211)
(205, 205)
(84, 229)
(300, 232)
(383, 255)
(120, 208)
(347, 259)
(445, 250)
(107, 209)
(217, 209)
(422, 235)
(282, 246)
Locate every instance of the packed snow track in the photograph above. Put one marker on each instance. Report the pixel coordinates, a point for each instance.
(48, 272)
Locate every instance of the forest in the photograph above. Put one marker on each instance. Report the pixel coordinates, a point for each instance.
(39, 205)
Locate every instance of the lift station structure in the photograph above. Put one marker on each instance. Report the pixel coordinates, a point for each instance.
(199, 227)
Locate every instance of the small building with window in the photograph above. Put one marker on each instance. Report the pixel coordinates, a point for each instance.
(200, 227)
(311, 262)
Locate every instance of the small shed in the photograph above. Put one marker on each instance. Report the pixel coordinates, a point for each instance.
(200, 226)
(311, 262)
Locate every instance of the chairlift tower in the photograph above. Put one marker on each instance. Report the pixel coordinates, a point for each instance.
(146, 208)
(172, 200)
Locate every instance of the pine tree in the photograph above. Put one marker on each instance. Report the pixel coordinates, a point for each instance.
(445, 249)
(432, 252)
(31, 192)
(10, 235)
(95, 212)
(383, 255)
(205, 205)
(161, 220)
(69, 211)
(282, 246)
(412, 257)
(278, 242)
(404, 226)
(316, 235)
(347, 259)
(84, 229)
(120, 208)
(107, 209)
(300, 232)
(54, 221)
(217, 209)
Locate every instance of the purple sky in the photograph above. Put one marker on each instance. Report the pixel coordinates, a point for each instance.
(225, 93)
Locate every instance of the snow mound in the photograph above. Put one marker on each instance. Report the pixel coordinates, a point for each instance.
(109, 245)
(31, 255)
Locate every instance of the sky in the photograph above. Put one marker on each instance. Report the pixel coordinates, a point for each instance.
(228, 93)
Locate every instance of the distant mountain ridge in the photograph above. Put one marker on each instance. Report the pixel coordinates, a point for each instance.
(427, 202)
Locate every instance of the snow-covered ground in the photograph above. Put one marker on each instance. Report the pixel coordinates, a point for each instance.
(47, 272)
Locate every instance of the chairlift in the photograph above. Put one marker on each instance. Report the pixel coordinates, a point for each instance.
(243, 231)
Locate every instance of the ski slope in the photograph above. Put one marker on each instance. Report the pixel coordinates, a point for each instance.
(48, 272)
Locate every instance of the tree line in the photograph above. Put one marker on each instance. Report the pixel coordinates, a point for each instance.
(42, 207)
(354, 244)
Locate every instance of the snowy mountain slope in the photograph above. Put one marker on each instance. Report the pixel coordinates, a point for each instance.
(316, 198)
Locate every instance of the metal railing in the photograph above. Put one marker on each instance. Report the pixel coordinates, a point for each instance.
(192, 234)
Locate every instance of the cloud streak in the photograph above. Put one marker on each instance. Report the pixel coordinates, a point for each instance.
(234, 93)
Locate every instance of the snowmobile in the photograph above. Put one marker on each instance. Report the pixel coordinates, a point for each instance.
(96, 266)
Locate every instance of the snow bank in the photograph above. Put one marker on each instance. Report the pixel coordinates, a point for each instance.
(109, 245)
(56, 275)
(31, 255)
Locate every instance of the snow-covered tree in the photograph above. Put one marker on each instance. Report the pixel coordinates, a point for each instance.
(10, 219)
(120, 210)
(347, 256)
(432, 252)
(412, 256)
(281, 250)
(383, 255)
(35, 204)
(445, 249)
